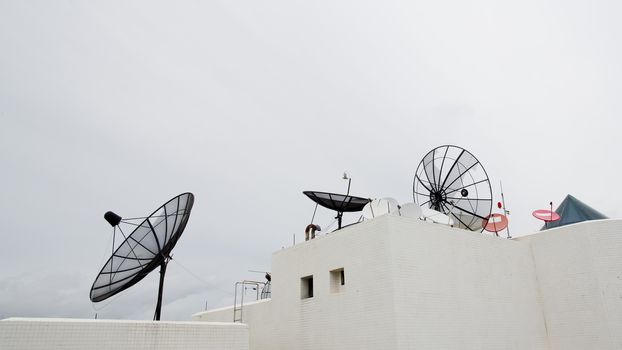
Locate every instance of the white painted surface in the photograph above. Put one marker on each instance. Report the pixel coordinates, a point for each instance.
(579, 269)
(75, 334)
(258, 314)
(436, 217)
(456, 289)
(410, 210)
(379, 207)
(409, 284)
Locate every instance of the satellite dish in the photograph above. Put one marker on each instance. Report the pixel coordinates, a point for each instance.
(409, 210)
(545, 215)
(379, 207)
(338, 202)
(436, 217)
(495, 222)
(452, 181)
(143, 250)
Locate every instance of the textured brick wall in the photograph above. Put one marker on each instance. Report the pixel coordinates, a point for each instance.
(360, 315)
(258, 314)
(456, 289)
(417, 285)
(70, 334)
(579, 269)
(409, 285)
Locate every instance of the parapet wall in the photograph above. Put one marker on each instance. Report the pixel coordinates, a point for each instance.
(456, 289)
(416, 285)
(256, 313)
(76, 334)
(579, 270)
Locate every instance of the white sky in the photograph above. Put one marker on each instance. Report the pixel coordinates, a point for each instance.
(121, 105)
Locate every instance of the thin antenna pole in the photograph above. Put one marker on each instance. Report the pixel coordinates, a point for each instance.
(339, 216)
(314, 210)
(505, 212)
(114, 233)
(349, 182)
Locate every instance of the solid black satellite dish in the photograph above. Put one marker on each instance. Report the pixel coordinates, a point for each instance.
(451, 180)
(338, 202)
(146, 248)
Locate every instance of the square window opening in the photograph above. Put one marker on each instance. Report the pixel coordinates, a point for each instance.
(337, 280)
(306, 287)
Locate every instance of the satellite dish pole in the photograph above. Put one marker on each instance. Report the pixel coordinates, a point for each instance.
(339, 213)
(505, 211)
(156, 316)
(551, 205)
(346, 177)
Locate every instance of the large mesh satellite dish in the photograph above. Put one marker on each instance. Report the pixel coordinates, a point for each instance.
(452, 181)
(143, 250)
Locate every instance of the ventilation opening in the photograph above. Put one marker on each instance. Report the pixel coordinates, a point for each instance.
(337, 280)
(306, 287)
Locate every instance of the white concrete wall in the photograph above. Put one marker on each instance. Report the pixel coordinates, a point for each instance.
(579, 269)
(358, 317)
(456, 289)
(256, 313)
(409, 285)
(74, 334)
(417, 285)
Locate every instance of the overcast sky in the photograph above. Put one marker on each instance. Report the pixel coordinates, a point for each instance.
(121, 105)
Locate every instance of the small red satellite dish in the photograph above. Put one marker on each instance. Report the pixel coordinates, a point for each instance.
(495, 222)
(499, 205)
(545, 215)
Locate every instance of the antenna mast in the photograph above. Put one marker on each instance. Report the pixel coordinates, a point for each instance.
(505, 211)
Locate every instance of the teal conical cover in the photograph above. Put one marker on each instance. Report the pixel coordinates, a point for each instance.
(571, 211)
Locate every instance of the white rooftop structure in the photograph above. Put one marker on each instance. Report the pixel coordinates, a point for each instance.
(81, 334)
(402, 283)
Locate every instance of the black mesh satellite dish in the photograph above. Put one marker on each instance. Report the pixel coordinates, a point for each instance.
(452, 181)
(338, 202)
(146, 248)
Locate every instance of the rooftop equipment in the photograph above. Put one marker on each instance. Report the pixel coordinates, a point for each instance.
(450, 180)
(338, 202)
(378, 207)
(146, 248)
(409, 210)
(494, 223)
(571, 210)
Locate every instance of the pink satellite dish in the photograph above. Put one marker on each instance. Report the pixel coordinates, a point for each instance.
(545, 215)
(495, 222)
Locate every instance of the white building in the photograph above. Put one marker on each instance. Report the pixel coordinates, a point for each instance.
(402, 283)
